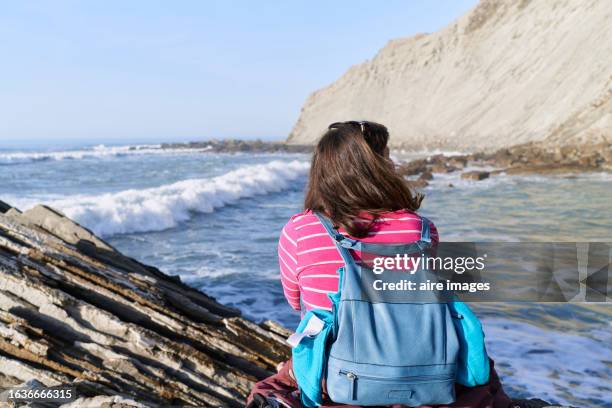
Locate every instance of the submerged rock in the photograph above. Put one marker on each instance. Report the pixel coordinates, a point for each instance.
(426, 175)
(414, 167)
(442, 168)
(75, 311)
(417, 184)
(475, 175)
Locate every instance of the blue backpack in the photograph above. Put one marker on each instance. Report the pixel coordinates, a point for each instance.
(385, 351)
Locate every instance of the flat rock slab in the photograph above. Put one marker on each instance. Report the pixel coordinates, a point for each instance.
(75, 311)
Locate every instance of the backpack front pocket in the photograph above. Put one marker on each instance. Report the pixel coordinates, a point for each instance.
(349, 385)
(397, 387)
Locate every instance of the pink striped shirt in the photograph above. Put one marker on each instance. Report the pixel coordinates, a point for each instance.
(309, 259)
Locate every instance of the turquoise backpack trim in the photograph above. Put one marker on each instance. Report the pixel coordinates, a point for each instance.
(474, 367)
(309, 352)
(310, 355)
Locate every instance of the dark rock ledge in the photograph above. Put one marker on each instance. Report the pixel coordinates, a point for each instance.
(530, 158)
(241, 146)
(74, 311)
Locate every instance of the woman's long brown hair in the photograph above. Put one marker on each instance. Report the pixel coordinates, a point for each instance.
(352, 174)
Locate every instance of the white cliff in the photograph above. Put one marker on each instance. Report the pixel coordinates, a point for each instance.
(508, 72)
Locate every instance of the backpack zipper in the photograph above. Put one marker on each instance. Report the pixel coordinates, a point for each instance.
(352, 377)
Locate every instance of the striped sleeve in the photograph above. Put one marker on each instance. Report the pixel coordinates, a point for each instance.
(435, 238)
(288, 263)
(433, 231)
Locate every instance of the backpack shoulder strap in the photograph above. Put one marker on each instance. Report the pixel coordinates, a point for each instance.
(343, 244)
(425, 230)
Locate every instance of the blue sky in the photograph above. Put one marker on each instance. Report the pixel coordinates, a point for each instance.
(185, 70)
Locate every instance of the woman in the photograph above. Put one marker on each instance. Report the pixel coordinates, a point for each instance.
(354, 182)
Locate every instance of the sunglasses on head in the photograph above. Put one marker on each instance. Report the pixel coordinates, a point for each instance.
(363, 125)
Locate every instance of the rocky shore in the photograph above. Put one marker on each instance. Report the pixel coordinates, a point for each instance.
(241, 146)
(530, 158)
(74, 311)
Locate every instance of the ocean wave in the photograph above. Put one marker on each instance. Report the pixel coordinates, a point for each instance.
(160, 208)
(99, 151)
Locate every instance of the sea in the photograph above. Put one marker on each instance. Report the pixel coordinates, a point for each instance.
(214, 220)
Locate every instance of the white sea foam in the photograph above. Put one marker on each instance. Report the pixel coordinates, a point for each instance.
(159, 208)
(99, 151)
(557, 367)
(454, 178)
